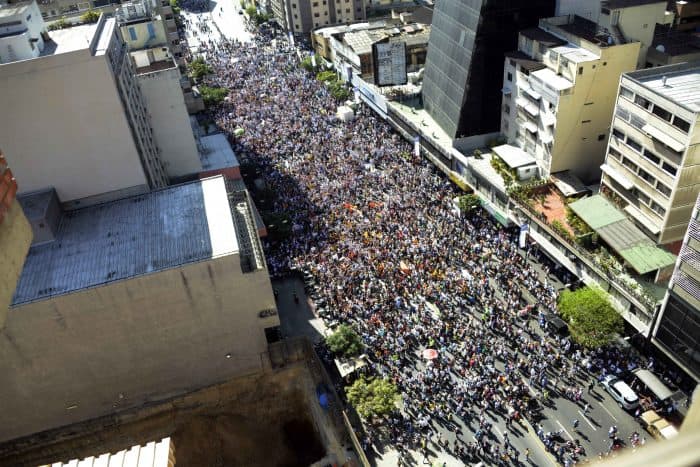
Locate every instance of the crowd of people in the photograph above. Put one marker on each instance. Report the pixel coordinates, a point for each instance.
(390, 253)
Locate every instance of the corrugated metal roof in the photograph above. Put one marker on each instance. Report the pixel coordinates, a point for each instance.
(622, 235)
(596, 211)
(129, 237)
(160, 454)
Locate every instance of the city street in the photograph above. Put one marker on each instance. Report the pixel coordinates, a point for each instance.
(298, 319)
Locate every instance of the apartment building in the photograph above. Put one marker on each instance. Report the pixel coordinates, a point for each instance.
(79, 121)
(677, 331)
(559, 92)
(301, 16)
(465, 54)
(22, 32)
(672, 46)
(146, 24)
(652, 165)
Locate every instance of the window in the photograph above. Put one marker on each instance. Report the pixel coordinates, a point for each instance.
(588, 103)
(640, 101)
(615, 153)
(316, 15)
(618, 134)
(646, 176)
(669, 168)
(681, 124)
(642, 196)
(506, 109)
(651, 157)
(509, 77)
(315, 4)
(662, 113)
(296, 16)
(586, 121)
(512, 62)
(132, 33)
(629, 164)
(601, 137)
(656, 207)
(543, 49)
(580, 70)
(151, 31)
(634, 144)
(663, 189)
(294, 5)
(624, 92)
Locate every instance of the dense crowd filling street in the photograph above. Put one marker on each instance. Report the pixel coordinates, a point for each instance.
(377, 229)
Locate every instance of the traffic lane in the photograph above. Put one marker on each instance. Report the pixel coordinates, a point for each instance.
(230, 23)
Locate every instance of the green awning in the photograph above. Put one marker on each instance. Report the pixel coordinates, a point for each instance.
(495, 213)
(620, 233)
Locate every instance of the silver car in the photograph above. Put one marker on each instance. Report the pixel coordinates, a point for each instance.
(621, 392)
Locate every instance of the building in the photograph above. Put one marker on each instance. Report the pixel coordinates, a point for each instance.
(146, 24)
(351, 48)
(677, 331)
(15, 237)
(301, 16)
(559, 93)
(22, 32)
(153, 454)
(166, 292)
(162, 88)
(687, 14)
(652, 166)
(467, 44)
(672, 46)
(79, 121)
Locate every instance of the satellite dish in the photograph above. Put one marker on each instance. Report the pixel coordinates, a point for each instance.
(661, 48)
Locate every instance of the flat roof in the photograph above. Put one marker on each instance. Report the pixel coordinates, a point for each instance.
(129, 237)
(678, 83)
(568, 183)
(615, 4)
(575, 53)
(513, 156)
(525, 61)
(543, 37)
(216, 152)
(622, 235)
(69, 39)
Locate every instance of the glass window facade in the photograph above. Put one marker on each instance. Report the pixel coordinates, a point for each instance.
(464, 66)
(679, 332)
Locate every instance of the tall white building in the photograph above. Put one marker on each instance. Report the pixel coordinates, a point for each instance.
(558, 93)
(79, 121)
(652, 166)
(22, 31)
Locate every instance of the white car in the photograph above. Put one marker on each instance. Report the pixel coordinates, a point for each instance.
(621, 392)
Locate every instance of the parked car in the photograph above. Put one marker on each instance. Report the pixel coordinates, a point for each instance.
(621, 392)
(657, 426)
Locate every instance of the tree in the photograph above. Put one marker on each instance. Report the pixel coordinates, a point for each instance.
(198, 68)
(468, 203)
(339, 91)
(593, 322)
(59, 24)
(251, 11)
(344, 342)
(175, 5)
(212, 96)
(90, 16)
(373, 397)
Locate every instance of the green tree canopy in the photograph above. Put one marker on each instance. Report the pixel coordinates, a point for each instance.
(90, 16)
(468, 203)
(212, 96)
(593, 322)
(345, 342)
(373, 397)
(198, 68)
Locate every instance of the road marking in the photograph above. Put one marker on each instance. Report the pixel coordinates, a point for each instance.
(498, 431)
(585, 417)
(567, 433)
(611, 415)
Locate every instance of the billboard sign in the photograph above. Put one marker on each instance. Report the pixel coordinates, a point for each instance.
(389, 63)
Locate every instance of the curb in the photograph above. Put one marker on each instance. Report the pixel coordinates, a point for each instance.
(531, 430)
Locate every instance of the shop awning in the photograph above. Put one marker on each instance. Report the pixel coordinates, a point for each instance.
(655, 385)
(625, 182)
(659, 135)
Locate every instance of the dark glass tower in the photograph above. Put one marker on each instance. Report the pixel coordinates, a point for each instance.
(464, 66)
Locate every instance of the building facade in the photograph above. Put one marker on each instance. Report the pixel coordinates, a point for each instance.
(559, 92)
(15, 238)
(80, 122)
(22, 32)
(652, 165)
(467, 43)
(677, 331)
(302, 16)
(147, 297)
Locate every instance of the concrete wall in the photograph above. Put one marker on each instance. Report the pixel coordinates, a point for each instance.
(15, 238)
(143, 38)
(92, 353)
(170, 121)
(67, 127)
(637, 24)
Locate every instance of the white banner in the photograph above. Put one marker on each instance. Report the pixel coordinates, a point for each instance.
(416, 146)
